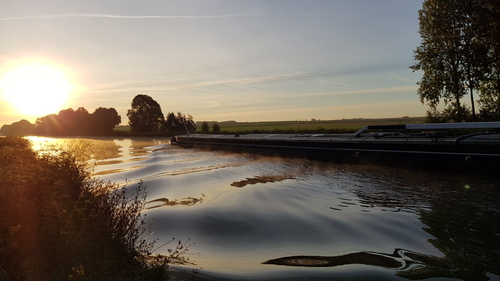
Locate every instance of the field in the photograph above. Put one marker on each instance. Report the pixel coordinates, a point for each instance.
(312, 126)
(320, 126)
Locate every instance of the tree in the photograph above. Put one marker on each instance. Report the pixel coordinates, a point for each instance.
(20, 128)
(188, 121)
(48, 125)
(104, 120)
(489, 98)
(215, 128)
(438, 55)
(172, 124)
(145, 115)
(78, 122)
(74, 122)
(178, 124)
(83, 123)
(457, 54)
(205, 128)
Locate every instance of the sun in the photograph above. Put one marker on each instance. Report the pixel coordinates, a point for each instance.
(36, 89)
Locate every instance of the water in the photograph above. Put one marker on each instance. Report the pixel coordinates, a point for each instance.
(267, 218)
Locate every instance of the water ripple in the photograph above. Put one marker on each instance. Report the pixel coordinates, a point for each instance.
(323, 220)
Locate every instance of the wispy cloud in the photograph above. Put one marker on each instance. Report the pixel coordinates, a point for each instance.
(249, 80)
(385, 90)
(134, 17)
(128, 87)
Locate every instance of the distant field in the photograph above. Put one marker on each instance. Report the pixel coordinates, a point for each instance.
(122, 129)
(319, 126)
(345, 125)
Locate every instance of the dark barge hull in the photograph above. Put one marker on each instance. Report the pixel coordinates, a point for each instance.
(477, 153)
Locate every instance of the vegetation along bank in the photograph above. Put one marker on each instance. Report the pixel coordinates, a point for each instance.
(58, 223)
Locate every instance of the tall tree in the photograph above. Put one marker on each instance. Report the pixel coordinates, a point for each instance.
(451, 55)
(490, 86)
(145, 115)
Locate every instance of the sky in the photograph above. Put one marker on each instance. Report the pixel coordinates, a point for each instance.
(219, 60)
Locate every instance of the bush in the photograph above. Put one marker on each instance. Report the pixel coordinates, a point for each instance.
(58, 223)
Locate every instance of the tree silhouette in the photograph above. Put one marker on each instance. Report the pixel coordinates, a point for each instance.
(178, 124)
(20, 128)
(204, 127)
(104, 120)
(74, 122)
(145, 115)
(215, 128)
(78, 122)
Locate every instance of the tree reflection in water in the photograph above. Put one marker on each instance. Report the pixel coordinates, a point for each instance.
(466, 230)
(462, 220)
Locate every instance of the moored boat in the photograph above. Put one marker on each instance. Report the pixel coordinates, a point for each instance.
(460, 147)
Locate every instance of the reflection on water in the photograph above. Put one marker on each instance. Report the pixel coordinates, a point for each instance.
(266, 218)
(399, 260)
(161, 202)
(260, 179)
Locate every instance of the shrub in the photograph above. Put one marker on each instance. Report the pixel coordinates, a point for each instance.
(58, 223)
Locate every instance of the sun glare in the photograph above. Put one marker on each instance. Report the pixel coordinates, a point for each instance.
(36, 89)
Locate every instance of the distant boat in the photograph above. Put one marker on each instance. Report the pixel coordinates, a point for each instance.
(458, 147)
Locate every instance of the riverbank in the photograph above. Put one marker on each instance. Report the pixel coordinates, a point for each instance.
(59, 223)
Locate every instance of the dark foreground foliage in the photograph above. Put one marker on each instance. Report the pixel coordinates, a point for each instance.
(58, 223)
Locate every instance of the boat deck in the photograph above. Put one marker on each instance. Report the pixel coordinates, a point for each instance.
(477, 152)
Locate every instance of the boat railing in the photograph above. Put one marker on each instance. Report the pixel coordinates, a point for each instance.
(431, 126)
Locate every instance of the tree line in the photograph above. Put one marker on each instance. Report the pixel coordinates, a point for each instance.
(205, 128)
(68, 122)
(459, 56)
(145, 117)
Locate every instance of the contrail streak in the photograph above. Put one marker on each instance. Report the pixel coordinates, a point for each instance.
(109, 16)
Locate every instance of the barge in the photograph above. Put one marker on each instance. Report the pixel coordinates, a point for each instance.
(457, 147)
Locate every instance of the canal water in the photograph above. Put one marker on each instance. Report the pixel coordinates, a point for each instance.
(253, 217)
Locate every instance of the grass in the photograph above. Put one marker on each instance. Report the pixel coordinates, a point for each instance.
(59, 223)
(318, 126)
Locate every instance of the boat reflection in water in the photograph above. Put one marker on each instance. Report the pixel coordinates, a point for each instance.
(255, 217)
(407, 263)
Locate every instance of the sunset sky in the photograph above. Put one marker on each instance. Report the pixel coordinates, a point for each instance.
(243, 60)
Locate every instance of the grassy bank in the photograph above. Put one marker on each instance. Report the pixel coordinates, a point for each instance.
(58, 223)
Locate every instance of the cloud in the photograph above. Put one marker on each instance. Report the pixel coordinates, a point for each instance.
(129, 87)
(135, 17)
(385, 90)
(249, 80)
